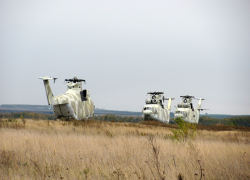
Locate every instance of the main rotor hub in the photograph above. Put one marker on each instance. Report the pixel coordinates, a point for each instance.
(75, 80)
(155, 93)
(187, 99)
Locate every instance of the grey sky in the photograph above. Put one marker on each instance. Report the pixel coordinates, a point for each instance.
(125, 49)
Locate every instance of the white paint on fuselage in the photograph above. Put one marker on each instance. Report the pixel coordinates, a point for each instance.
(156, 112)
(187, 114)
(71, 103)
(186, 110)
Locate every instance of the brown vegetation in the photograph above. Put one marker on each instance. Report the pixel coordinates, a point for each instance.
(42, 149)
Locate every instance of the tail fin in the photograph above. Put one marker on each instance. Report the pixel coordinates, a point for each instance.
(199, 104)
(49, 94)
(169, 102)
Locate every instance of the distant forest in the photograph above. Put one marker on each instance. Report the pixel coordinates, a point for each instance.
(45, 109)
(27, 115)
(235, 121)
(232, 121)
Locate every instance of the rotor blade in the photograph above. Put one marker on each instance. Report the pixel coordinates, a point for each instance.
(202, 109)
(155, 92)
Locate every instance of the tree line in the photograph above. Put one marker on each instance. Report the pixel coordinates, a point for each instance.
(114, 118)
(27, 115)
(234, 121)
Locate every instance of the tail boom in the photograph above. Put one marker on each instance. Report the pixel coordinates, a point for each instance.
(199, 104)
(169, 102)
(49, 94)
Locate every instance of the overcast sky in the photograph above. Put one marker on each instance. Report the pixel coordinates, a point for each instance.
(125, 49)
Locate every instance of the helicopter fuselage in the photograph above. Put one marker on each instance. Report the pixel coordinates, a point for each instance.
(186, 111)
(187, 114)
(154, 108)
(70, 104)
(156, 112)
(74, 103)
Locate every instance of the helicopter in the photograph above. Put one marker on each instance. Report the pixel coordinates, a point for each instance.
(187, 111)
(74, 103)
(154, 108)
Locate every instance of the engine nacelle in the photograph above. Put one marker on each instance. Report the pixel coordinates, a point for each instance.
(184, 105)
(154, 101)
(148, 101)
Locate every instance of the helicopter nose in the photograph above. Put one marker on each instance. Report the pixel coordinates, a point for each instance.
(178, 115)
(147, 112)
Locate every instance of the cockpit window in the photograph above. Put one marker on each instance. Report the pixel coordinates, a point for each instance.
(181, 112)
(148, 108)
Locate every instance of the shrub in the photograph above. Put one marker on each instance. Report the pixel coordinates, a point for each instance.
(23, 120)
(186, 130)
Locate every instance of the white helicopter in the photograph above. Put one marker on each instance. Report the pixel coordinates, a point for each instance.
(187, 111)
(154, 108)
(74, 103)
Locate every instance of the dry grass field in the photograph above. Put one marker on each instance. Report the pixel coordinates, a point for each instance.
(40, 149)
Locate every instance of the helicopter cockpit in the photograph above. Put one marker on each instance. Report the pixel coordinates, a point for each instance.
(148, 108)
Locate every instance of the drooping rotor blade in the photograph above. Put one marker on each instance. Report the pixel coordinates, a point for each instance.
(155, 93)
(202, 109)
(75, 80)
(187, 96)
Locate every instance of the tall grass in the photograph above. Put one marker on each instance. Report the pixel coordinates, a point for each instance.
(106, 150)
